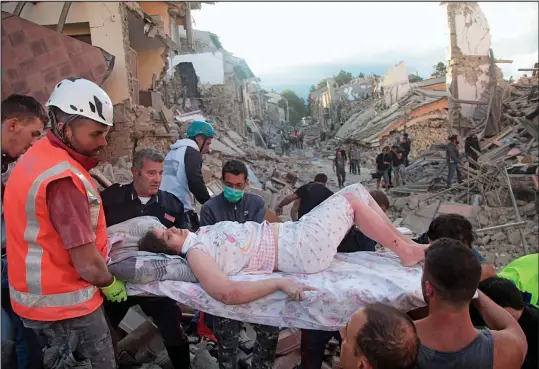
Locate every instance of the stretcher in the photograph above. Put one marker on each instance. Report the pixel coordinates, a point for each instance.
(352, 281)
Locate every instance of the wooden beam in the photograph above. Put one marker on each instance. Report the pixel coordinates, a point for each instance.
(528, 69)
(503, 61)
(471, 102)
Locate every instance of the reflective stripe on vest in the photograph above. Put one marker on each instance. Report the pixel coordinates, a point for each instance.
(34, 296)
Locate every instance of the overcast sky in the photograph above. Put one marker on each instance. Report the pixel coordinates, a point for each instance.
(295, 45)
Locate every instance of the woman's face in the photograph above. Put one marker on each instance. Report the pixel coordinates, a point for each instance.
(173, 237)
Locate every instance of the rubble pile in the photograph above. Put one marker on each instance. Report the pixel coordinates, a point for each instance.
(499, 247)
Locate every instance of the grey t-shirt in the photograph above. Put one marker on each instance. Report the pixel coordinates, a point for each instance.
(477, 355)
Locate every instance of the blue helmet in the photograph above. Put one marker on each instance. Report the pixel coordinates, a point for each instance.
(200, 128)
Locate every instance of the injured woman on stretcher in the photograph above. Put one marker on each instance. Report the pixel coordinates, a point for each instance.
(216, 253)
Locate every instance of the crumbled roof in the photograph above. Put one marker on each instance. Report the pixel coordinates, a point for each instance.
(368, 124)
(430, 81)
(317, 93)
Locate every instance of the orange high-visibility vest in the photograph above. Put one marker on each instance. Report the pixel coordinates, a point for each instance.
(44, 285)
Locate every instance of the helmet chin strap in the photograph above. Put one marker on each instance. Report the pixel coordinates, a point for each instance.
(60, 132)
(203, 143)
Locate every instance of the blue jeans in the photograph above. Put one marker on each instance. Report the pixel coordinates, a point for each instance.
(27, 346)
(453, 168)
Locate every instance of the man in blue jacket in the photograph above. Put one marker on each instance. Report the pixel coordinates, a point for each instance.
(182, 176)
(234, 204)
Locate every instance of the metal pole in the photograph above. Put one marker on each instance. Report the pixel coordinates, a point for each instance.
(517, 213)
(520, 224)
(63, 17)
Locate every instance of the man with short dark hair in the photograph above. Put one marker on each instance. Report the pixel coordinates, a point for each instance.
(310, 194)
(504, 293)
(234, 204)
(457, 227)
(139, 198)
(379, 337)
(23, 120)
(448, 337)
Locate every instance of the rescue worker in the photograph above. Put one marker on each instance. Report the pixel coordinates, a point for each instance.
(182, 175)
(143, 197)
(56, 232)
(23, 120)
(234, 204)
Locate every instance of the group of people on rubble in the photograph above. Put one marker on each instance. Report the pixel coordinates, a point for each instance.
(393, 159)
(56, 243)
(291, 140)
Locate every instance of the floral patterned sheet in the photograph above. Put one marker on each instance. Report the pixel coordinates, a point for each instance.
(352, 281)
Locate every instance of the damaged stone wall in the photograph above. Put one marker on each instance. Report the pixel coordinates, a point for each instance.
(469, 64)
(135, 126)
(423, 135)
(395, 83)
(223, 101)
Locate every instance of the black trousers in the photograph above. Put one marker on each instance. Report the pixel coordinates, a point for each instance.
(341, 176)
(313, 345)
(166, 315)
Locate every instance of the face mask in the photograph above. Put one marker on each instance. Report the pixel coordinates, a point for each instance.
(232, 194)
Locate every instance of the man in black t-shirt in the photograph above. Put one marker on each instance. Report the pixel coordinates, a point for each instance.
(397, 161)
(311, 194)
(383, 163)
(504, 293)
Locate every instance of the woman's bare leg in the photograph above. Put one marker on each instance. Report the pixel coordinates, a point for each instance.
(374, 227)
(374, 206)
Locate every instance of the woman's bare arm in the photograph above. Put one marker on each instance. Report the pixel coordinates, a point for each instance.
(220, 287)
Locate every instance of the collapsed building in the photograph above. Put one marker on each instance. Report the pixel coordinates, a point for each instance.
(122, 46)
(161, 74)
(499, 192)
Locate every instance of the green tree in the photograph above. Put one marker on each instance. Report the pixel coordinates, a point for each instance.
(296, 106)
(361, 75)
(312, 89)
(439, 69)
(343, 78)
(322, 83)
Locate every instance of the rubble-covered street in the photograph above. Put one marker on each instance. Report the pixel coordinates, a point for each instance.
(162, 74)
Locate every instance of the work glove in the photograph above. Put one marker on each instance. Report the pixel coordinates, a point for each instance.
(116, 291)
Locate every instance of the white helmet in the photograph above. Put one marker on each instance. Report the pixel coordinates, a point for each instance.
(79, 96)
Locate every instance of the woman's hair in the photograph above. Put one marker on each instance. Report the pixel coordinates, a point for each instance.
(151, 243)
